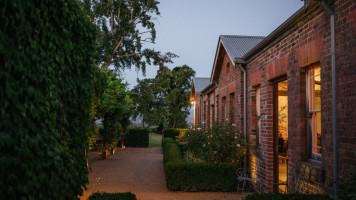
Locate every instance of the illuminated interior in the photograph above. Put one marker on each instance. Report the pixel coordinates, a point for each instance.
(282, 135)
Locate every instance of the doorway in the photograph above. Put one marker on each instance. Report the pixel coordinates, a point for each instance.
(281, 136)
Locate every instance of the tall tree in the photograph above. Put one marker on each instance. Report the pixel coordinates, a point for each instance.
(115, 107)
(124, 27)
(150, 103)
(178, 95)
(165, 99)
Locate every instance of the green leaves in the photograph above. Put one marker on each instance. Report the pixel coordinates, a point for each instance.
(46, 54)
(165, 99)
(124, 27)
(114, 108)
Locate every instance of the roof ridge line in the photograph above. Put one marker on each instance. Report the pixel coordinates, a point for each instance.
(243, 36)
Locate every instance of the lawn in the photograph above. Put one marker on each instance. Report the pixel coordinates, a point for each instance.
(155, 140)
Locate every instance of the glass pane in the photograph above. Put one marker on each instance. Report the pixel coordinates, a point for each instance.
(317, 89)
(283, 110)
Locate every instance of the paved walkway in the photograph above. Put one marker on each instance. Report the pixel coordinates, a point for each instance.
(140, 171)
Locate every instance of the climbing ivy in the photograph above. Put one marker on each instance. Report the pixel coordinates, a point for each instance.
(47, 68)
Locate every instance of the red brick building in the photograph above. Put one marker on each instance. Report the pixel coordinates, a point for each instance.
(278, 90)
(196, 97)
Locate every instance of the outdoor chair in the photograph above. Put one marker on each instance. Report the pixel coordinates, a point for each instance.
(249, 175)
(297, 183)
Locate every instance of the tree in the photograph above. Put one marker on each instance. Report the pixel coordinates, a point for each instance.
(124, 26)
(150, 104)
(98, 88)
(115, 107)
(165, 99)
(179, 94)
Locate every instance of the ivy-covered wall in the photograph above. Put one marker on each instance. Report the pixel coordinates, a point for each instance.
(46, 75)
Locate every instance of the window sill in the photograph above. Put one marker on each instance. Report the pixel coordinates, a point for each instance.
(313, 170)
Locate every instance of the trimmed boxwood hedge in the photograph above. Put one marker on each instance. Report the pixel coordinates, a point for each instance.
(47, 78)
(137, 137)
(182, 176)
(112, 196)
(269, 196)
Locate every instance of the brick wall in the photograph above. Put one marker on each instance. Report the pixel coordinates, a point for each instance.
(289, 57)
(229, 89)
(307, 43)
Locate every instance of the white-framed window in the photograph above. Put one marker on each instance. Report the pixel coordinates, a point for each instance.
(314, 108)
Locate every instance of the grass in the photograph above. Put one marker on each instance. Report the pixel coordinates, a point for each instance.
(155, 140)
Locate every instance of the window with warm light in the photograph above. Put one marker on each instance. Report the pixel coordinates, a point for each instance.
(314, 104)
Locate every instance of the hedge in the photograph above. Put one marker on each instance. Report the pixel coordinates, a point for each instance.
(269, 196)
(112, 196)
(46, 84)
(137, 137)
(181, 176)
(173, 132)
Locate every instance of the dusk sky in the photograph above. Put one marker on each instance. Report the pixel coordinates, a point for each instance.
(191, 28)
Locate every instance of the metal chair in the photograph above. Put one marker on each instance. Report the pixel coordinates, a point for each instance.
(245, 175)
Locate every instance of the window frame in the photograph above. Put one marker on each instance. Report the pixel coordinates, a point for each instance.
(312, 113)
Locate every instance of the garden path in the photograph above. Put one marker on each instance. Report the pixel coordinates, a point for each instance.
(140, 171)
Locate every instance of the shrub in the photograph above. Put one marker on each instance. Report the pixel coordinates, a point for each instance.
(200, 176)
(160, 128)
(173, 132)
(221, 143)
(46, 83)
(171, 151)
(189, 157)
(112, 196)
(195, 176)
(269, 196)
(137, 137)
(348, 184)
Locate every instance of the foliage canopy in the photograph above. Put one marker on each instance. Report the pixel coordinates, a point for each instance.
(46, 56)
(114, 108)
(124, 27)
(165, 99)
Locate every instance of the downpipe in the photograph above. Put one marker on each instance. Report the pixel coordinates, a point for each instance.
(245, 107)
(330, 11)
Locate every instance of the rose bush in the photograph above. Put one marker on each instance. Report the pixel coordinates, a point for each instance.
(221, 143)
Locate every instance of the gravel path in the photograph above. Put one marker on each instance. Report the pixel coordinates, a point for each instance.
(140, 171)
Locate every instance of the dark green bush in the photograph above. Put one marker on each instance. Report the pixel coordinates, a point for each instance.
(112, 196)
(200, 176)
(137, 137)
(160, 128)
(195, 176)
(173, 132)
(269, 196)
(171, 151)
(46, 84)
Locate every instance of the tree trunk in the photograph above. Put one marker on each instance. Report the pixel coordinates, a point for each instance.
(143, 121)
(174, 123)
(123, 142)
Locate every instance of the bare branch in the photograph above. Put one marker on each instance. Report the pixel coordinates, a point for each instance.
(119, 43)
(139, 16)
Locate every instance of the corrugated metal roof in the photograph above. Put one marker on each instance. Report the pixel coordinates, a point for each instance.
(200, 83)
(238, 46)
